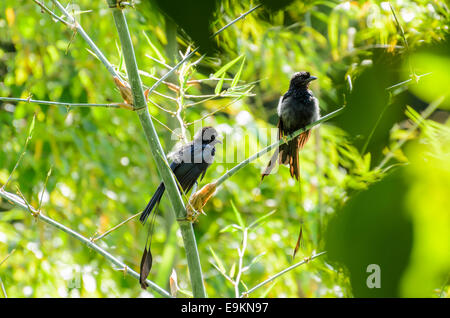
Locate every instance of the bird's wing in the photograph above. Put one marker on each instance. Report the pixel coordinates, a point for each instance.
(303, 138)
(280, 127)
(188, 173)
(202, 175)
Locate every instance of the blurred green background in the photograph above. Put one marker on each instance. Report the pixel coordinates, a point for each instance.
(375, 180)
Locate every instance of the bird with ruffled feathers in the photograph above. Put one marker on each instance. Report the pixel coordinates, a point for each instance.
(297, 108)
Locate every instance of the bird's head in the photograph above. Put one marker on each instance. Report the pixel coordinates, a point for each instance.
(208, 135)
(301, 79)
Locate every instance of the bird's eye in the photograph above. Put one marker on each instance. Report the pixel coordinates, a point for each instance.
(213, 137)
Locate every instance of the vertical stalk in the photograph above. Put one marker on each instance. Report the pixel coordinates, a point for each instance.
(140, 107)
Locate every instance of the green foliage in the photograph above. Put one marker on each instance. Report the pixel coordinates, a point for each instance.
(353, 200)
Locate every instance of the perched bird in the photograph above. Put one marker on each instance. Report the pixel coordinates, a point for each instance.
(296, 109)
(189, 162)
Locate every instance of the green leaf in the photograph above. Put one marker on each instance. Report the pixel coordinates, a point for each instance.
(227, 66)
(238, 74)
(157, 52)
(367, 159)
(230, 228)
(232, 270)
(219, 85)
(260, 219)
(120, 56)
(413, 115)
(238, 215)
(30, 130)
(217, 260)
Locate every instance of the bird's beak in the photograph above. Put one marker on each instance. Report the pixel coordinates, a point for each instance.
(218, 140)
(312, 78)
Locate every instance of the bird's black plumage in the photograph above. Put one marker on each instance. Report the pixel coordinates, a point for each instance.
(297, 108)
(189, 163)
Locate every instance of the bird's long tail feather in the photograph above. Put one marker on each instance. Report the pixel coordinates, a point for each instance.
(147, 258)
(289, 153)
(152, 203)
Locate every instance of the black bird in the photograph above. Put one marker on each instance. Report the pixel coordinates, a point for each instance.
(296, 109)
(189, 163)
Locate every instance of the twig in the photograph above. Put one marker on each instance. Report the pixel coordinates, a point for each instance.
(241, 252)
(115, 227)
(43, 189)
(217, 110)
(162, 108)
(158, 61)
(168, 84)
(7, 256)
(418, 77)
(30, 133)
(24, 205)
(399, 26)
(3, 288)
(56, 17)
(236, 20)
(306, 260)
(187, 57)
(45, 102)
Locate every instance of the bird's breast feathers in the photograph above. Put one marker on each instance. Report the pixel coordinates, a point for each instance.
(298, 110)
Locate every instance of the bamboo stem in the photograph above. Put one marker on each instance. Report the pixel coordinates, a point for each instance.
(306, 260)
(190, 245)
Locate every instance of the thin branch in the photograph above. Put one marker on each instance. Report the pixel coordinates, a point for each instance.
(45, 102)
(168, 84)
(162, 108)
(24, 205)
(399, 26)
(158, 61)
(198, 81)
(228, 278)
(306, 260)
(237, 19)
(3, 288)
(418, 77)
(115, 227)
(55, 16)
(216, 111)
(162, 124)
(187, 57)
(30, 134)
(241, 252)
(7, 256)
